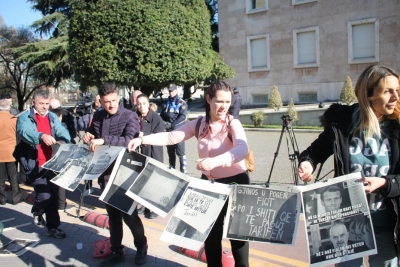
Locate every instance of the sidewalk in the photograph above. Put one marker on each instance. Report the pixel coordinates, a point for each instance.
(63, 252)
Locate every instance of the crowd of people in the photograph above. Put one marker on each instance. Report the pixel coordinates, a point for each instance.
(363, 137)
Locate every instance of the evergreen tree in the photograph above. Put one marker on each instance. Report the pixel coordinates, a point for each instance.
(275, 100)
(147, 44)
(347, 94)
(291, 111)
(16, 72)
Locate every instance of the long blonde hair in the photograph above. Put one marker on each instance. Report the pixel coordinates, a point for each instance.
(371, 78)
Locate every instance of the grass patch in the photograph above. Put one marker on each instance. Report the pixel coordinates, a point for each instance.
(275, 126)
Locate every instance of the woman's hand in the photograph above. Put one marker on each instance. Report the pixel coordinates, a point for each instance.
(134, 143)
(373, 183)
(206, 164)
(305, 171)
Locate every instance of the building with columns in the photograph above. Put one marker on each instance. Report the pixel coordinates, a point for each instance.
(305, 47)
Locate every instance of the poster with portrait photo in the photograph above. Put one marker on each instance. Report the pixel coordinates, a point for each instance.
(257, 213)
(158, 187)
(126, 169)
(17, 247)
(201, 199)
(337, 220)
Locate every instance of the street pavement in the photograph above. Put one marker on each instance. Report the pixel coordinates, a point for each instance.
(64, 252)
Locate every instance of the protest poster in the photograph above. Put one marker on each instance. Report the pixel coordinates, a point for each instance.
(17, 247)
(158, 187)
(70, 177)
(126, 169)
(258, 213)
(201, 199)
(103, 157)
(337, 220)
(76, 163)
(64, 155)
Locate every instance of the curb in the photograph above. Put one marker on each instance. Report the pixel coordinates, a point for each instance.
(97, 219)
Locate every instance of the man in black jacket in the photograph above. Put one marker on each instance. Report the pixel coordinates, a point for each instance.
(236, 103)
(115, 125)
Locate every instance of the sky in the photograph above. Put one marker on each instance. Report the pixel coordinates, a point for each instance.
(18, 13)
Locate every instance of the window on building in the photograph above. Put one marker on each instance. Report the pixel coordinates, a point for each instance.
(258, 53)
(260, 99)
(363, 41)
(299, 2)
(308, 97)
(306, 47)
(254, 6)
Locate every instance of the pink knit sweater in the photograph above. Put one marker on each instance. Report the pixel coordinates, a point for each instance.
(216, 145)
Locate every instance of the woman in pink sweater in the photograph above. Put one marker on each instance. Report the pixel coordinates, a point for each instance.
(222, 147)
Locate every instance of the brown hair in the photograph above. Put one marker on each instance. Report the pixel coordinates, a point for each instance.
(211, 92)
(372, 77)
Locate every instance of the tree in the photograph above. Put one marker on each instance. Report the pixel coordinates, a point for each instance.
(275, 100)
(291, 111)
(147, 44)
(347, 94)
(16, 73)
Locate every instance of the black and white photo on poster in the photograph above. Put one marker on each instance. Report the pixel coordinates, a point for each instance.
(257, 213)
(71, 176)
(126, 168)
(103, 157)
(337, 220)
(17, 247)
(181, 229)
(158, 187)
(65, 154)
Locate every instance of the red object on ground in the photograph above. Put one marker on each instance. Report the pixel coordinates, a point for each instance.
(97, 219)
(102, 248)
(31, 198)
(227, 257)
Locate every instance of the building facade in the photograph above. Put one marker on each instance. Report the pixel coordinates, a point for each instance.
(305, 47)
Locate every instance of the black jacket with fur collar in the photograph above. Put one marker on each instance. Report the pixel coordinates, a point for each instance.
(335, 139)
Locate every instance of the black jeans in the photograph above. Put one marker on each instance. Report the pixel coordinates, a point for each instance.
(9, 168)
(46, 199)
(213, 246)
(115, 217)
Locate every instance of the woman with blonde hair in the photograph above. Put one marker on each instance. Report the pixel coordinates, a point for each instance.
(221, 158)
(364, 138)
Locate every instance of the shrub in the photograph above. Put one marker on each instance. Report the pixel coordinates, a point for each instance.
(347, 95)
(258, 118)
(275, 100)
(291, 111)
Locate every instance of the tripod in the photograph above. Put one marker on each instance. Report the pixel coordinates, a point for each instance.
(289, 134)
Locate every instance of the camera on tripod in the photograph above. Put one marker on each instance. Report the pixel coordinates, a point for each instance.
(287, 120)
(85, 106)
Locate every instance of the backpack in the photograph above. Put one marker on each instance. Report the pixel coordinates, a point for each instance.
(248, 160)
